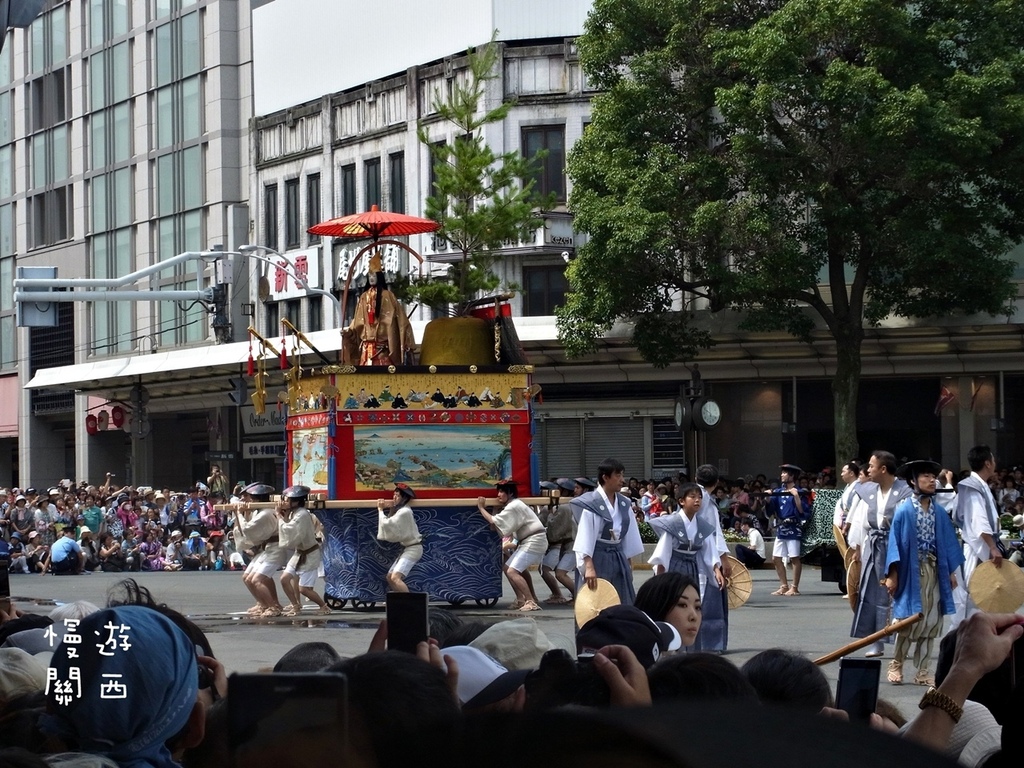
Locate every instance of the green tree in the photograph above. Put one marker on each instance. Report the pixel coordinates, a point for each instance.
(482, 199)
(811, 163)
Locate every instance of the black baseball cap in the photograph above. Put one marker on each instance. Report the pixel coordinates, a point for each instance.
(629, 626)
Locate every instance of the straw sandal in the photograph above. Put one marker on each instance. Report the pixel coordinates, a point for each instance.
(781, 591)
(515, 605)
(324, 611)
(556, 600)
(528, 606)
(792, 592)
(271, 612)
(895, 673)
(291, 610)
(924, 677)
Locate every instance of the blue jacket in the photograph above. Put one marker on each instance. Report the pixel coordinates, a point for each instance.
(903, 551)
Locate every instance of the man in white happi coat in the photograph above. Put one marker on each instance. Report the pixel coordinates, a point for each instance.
(978, 517)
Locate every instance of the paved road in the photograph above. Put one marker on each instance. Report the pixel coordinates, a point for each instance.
(814, 623)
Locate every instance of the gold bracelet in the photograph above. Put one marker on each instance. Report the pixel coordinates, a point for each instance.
(936, 698)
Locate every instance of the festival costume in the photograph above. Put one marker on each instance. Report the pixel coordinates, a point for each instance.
(688, 547)
(400, 528)
(561, 531)
(377, 338)
(260, 534)
(517, 520)
(976, 508)
(789, 520)
(606, 532)
(298, 536)
(869, 530)
(923, 545)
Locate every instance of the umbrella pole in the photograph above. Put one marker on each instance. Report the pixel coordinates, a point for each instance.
(865, 641)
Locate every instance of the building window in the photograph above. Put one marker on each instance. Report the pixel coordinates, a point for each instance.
(270, 216)
(162, 8)
(112, 196)
(50, 216)
(178, 112)
(8, 356)
(313, 204)
(111, 256)
(49, 36)
(181, 322)
(348, 190)
(273, 325)
(177, 49)
(372, 181)
(396, 179)
(7, 230)
(179, 181)
(6, 123)
(550, 168)
(291, 213)
(544, 288)
(48, 99)
(107, 20)
(316, 311)
(110, 136)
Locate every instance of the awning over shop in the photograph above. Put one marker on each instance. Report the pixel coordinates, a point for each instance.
(178, 373)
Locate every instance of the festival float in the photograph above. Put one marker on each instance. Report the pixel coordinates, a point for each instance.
(449, 424)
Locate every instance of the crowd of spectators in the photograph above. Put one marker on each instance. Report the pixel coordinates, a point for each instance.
(631, 697)
(742, 499)
(79, 528)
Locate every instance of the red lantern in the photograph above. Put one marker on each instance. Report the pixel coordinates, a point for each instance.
(117, 416)
(90, 424)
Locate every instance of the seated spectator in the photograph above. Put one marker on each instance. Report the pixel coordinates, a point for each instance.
(112, 559)
(193, 553)
(66, 556)
(751, 556)
(90, 549)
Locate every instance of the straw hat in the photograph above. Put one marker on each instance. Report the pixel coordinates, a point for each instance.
(841, 544)
(997, 590)
(852, 579)
(590, 602)
(739, 584)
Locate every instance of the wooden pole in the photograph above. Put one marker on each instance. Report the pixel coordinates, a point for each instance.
(864, 641)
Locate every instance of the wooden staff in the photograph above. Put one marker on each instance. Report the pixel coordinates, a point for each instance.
(372, 503)
(864, 641)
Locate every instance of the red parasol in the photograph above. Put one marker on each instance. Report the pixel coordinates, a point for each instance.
(374, 223)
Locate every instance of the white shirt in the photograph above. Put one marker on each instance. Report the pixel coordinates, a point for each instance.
(590, 527)
(756, 541)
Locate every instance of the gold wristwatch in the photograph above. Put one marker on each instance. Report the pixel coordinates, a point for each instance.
(936, 698)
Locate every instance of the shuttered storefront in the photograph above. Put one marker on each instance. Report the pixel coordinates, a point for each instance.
(574, 447)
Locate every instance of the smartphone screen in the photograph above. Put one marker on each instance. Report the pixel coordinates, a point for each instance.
(407, 620)
(269, 711)
(857, 690)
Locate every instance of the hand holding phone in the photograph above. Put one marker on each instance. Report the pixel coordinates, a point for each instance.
(282, 715)
(408, 623)
(857, 690)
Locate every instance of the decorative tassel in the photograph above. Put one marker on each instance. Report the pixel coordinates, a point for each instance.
(251, 367)
(284, 355)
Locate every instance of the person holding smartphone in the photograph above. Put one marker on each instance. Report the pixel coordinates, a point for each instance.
(921, 566)
(399, 527)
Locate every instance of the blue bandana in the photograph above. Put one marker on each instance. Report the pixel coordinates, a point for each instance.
(137, 686)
